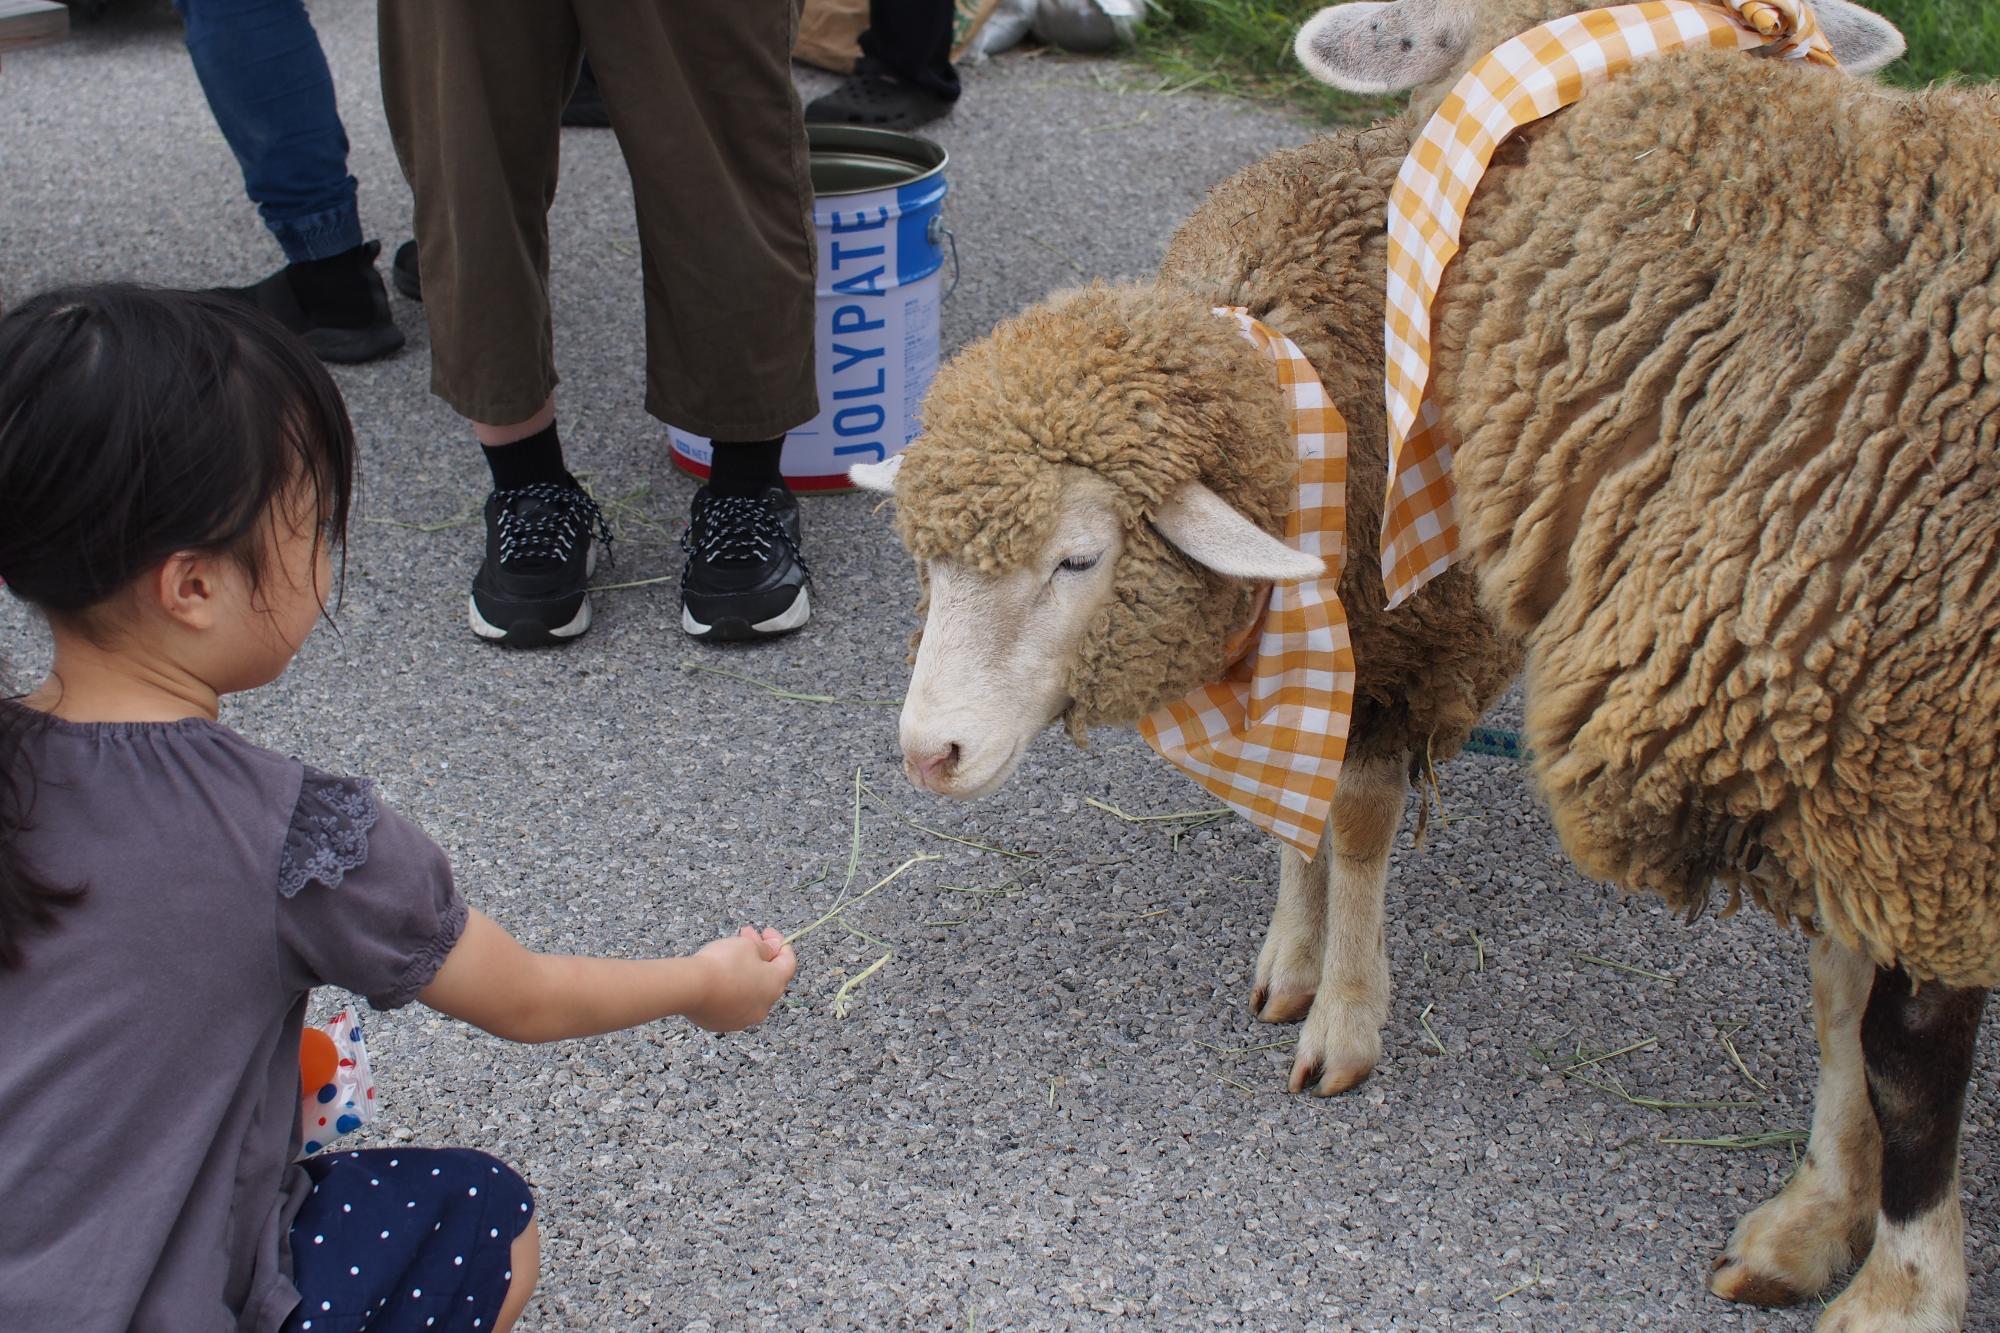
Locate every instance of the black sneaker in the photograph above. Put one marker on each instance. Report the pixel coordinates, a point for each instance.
(744, 577)
(338, 305)
(540, 553)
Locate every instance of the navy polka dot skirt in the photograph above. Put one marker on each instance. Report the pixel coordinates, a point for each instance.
(400, 1240)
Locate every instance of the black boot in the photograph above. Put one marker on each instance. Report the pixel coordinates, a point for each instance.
(337, 305)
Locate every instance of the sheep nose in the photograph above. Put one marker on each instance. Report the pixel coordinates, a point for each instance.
(933, 768)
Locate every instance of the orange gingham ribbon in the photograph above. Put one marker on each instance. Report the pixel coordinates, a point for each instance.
(1269, 736)
(1521, 81)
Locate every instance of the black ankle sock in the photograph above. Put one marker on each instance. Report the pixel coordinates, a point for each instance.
(337, 291)
(745, 467)
(527, 461)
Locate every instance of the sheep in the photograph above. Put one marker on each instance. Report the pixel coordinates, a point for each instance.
(1721, 357)
(1130, 429)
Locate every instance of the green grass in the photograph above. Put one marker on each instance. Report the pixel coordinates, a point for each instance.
(1947, 38)
(1244, 47)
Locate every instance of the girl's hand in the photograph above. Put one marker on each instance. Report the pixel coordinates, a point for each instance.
(746, 974)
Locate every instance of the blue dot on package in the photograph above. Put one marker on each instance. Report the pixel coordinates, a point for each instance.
(336, 1085)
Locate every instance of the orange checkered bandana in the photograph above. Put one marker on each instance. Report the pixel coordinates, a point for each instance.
(1521, 81)
(1269, 736)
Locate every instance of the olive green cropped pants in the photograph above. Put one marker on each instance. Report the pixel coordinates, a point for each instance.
(701, 99)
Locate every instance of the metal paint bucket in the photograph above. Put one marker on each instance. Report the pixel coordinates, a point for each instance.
(877, 196)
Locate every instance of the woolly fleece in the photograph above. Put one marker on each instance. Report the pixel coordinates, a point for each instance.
(1145, 386)
(1723, 351)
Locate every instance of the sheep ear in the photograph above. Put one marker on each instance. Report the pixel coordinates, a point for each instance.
(1208, 531)
(877, 477)
(1862, 40)
(1383, 48)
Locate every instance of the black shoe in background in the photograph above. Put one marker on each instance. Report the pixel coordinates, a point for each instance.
(337, 305)
(873, 97)
(403, 271)
(541, 546)
(586, 108)
(744, 577)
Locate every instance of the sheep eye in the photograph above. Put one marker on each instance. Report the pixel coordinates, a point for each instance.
(1077, 564)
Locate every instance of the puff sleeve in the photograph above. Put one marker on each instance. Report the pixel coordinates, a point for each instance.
(365, 898)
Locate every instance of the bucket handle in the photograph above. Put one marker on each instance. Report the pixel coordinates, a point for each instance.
(931, 234)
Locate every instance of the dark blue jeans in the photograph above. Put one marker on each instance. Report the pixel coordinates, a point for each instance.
(267, 83)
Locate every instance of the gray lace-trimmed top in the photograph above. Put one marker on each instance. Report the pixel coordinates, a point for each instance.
(149, 1049)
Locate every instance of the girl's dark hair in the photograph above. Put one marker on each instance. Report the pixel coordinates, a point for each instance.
(135, 423)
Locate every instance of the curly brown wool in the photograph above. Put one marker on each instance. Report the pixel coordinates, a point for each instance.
(1723, 350)
(1144, 385)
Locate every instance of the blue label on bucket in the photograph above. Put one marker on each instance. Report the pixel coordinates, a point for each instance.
(917, 255)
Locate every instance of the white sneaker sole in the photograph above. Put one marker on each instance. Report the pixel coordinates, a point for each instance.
(578, 623)
(487, 630)
(797, 614)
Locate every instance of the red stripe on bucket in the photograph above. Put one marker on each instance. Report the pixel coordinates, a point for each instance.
(820, 485)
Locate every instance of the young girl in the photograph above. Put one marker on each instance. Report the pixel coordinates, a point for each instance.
(174, 472)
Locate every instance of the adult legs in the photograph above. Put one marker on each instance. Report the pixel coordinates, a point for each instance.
(724, 207)
(905, 75)
(268, 86)
(726, 246)
(267, 82)
(911, 40)
(474, 93)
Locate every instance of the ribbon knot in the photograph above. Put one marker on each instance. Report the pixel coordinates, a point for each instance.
(1789, 24)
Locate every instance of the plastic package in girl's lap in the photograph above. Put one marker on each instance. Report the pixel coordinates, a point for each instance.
(335, 1081)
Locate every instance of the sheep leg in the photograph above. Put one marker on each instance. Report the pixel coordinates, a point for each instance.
(1918, 1048)
(1288, 968)
(1342, 1037)
(1824, 1220)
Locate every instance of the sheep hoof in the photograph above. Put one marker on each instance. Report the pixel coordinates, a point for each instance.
(1734, 1280)
(1914, 1280)
(1337, 1050)
(1899, 1301)
(1323, 1081)
(1283, 1007)
(1287, 973)
(1794, 1245)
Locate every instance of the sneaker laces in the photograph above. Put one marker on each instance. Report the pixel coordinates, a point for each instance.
(545, 521)
(737, 529)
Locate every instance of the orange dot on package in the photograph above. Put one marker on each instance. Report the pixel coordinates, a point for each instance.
(318, 1059)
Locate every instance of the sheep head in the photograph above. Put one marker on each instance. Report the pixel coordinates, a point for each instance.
(1423, 46)
(1091, 506)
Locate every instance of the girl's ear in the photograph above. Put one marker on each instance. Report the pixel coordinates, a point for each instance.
(187, 587)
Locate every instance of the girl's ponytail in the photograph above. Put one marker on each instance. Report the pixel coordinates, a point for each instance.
(28, 903)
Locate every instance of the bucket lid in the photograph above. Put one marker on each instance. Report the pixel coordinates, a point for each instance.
(854, 159)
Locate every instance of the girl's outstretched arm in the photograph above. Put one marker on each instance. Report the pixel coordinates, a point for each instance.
(491, 980)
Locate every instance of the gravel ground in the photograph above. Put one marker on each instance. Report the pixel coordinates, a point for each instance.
(1022, 1120)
